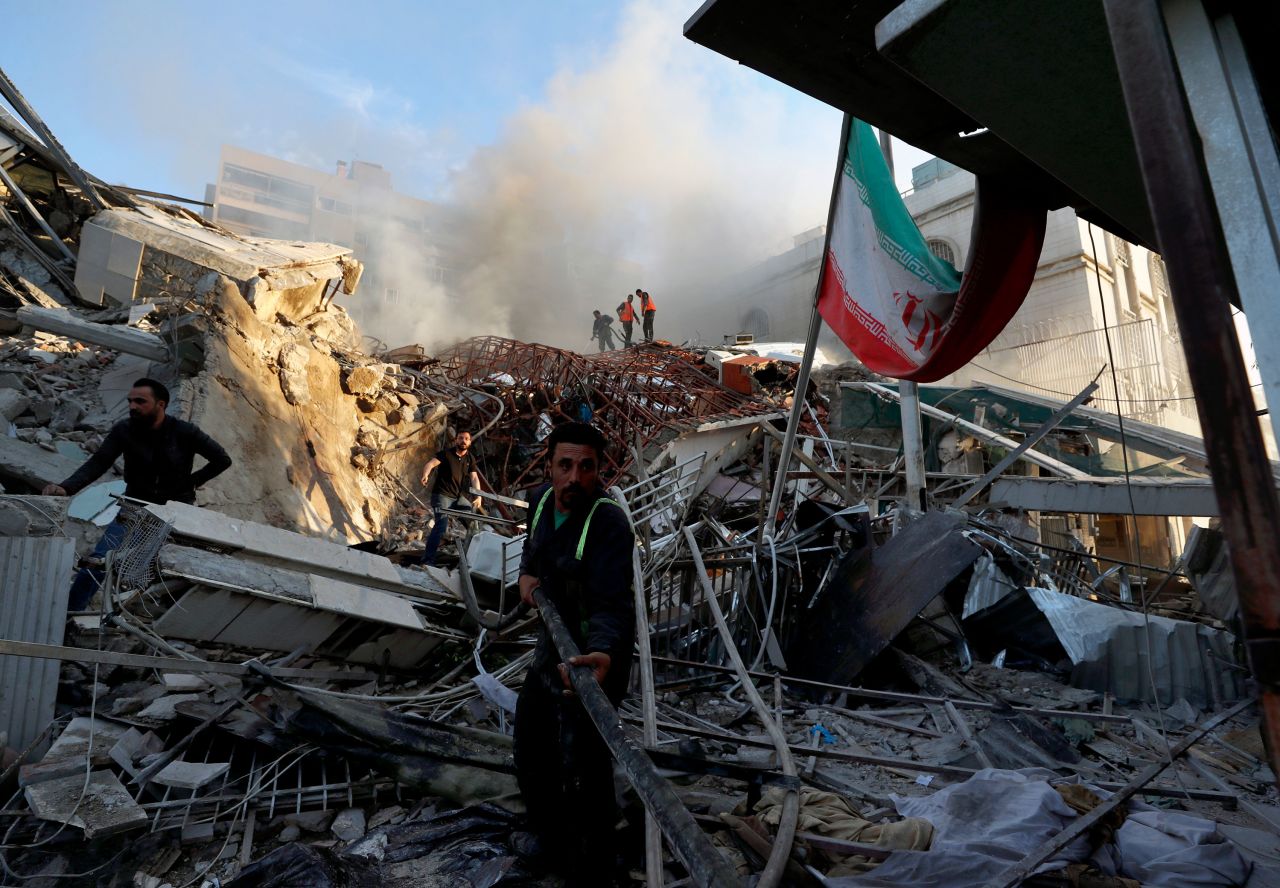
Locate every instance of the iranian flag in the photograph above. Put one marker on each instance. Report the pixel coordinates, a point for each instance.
(903, 311)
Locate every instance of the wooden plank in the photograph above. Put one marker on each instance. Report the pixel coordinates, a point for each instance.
(167, 664)
(963, 727)
(883, 722)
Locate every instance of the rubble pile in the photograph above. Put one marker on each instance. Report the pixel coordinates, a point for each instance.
(266, 688)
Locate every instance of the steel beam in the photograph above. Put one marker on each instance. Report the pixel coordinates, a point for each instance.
(1203, 289)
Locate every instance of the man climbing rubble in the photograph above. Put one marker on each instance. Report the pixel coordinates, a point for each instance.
(159, 454)
(648, 310)
(579, 553)
(602, 330)
(450, 487)
(627, 314)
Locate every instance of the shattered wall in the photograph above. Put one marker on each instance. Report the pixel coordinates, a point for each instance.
(306, 447)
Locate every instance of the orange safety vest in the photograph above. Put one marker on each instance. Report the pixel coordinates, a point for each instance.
(646, 303)
(626, 313)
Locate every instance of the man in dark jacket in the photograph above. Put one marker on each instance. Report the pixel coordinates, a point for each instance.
(579, 553)
(159, 452)
(159, 456)
(602, 330)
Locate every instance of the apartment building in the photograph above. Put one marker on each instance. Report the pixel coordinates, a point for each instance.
(404, 242)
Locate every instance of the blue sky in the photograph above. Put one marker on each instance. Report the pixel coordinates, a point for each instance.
(143, 92)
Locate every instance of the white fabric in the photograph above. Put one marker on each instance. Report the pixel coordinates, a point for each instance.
(1169, 848)
(992, 820)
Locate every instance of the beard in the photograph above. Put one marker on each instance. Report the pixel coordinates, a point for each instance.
(574, 496)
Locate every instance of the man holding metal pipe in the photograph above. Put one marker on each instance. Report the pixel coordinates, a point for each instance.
(578, 553)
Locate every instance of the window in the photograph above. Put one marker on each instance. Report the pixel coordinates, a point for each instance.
(1127, 297)
(328, 204)
(283, 193)
(942, 250)
(390, 294)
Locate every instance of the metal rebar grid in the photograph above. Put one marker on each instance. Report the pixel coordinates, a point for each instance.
(638, 397)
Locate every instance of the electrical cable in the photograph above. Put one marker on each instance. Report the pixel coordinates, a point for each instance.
(1099, 397)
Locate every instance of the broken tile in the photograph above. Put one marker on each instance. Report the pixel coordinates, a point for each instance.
(181, 682)
(190, 775)
(165, 708)
(67, 754)
(102, 808)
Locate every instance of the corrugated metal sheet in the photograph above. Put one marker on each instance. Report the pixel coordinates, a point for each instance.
(1117, 650)
(35, 578)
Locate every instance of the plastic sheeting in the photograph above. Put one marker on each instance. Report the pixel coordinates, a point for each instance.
(1110, 647)
(991, 821)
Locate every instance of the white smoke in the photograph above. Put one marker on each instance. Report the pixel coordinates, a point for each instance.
(659, 165)
(648, 161)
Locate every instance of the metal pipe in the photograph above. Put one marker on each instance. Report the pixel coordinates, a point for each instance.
(785, 837)
(35, 214)
(912, 442)
(706, 866)
(810, 348)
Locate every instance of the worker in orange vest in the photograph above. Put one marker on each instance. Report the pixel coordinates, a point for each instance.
(648, 309)
(627, 314)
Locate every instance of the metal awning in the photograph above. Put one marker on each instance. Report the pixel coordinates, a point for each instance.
(932, 70)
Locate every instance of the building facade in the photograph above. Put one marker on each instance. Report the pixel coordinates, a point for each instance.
(1090, 287)
(404, 243)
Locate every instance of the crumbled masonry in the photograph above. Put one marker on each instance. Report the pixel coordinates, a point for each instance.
(269, 689)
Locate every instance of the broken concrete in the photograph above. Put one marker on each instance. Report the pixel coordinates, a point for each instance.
(101, 806)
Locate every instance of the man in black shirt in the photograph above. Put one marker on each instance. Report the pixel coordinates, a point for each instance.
(578, 552)
(457, 476)
(602, 330)
(159, 455)
(159, 452)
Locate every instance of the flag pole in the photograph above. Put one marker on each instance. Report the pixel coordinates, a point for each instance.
(810, 345)
(908, 398)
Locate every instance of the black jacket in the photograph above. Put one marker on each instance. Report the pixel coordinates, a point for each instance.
(157, 462)
(594, 595)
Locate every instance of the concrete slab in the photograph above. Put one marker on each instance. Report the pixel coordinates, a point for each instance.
(71, 450)
(351, 600)
(133, 746)
(94, 500)
(165, 708)
(190, 775)
(102, 808)
(184, 682)
(235, 618)
(349, 825)
(272, 543)
(67, 754)
(32, 465)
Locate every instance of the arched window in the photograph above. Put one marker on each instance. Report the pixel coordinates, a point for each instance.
(942, 249)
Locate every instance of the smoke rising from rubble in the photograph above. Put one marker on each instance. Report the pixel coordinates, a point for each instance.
(646, 168)
(646, 161)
